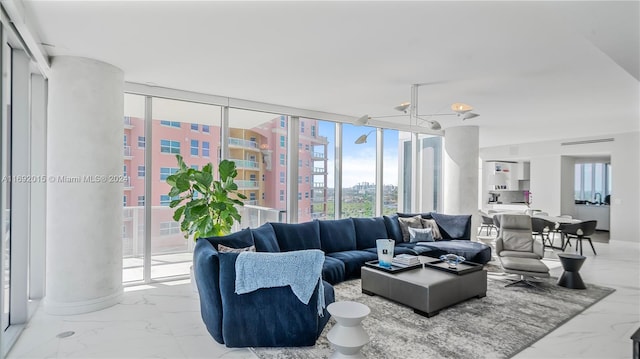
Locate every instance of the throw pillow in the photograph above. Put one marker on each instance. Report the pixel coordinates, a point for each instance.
(405, 223)
(224, 249)
(420, 235)
(431, 223)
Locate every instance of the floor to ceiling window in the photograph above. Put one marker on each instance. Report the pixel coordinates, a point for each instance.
(133, 198)
(592, 181)
(390, 174)
(358, 171)
(426, 194)
(193, 131)
(429, 186)
(322, 141)
(5, 194)
(258, 145)
(156, 129)
(22, 195)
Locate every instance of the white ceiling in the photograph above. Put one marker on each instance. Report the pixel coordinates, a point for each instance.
(533, 70)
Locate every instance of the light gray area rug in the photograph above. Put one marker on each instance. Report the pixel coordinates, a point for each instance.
(500, 325)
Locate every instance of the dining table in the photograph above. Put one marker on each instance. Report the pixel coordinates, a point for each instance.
(560, 222)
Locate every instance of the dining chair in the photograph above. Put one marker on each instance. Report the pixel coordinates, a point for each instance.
(543, 228)
(487, 223)
(579, 231)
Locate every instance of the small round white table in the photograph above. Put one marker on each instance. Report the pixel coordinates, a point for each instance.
(347, 337)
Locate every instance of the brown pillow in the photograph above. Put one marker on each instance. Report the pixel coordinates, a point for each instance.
(431, 223)
(405, 223)
(224, 249)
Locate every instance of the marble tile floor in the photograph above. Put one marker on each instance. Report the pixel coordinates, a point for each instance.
(163, 321)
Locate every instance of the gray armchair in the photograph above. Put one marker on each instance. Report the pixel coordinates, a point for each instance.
(518, 251)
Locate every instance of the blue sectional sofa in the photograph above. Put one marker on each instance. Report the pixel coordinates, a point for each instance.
(252, 319)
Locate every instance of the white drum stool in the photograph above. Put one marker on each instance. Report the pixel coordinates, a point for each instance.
(347, 337)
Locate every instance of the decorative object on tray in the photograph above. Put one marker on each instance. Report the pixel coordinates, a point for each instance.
(392, 268)
(405, 260)
(385, 252)
(452, 260)
(461, 268)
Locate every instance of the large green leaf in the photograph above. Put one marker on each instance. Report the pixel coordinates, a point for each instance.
(174, 203)
(182, 182)
(201, 188)
(226, 169)
(181, 164)
(174, 192)
(178, 213)
(203, 178)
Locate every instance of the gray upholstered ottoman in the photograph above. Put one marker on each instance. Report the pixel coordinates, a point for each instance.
(524, 267)
(426, 290)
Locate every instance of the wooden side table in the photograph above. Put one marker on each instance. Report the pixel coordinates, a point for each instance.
(348, 336)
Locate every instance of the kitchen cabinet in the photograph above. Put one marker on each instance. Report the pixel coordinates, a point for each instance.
(600, 213)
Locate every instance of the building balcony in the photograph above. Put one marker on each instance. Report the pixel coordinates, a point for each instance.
(246, 164)
(318, 215)
(244, 184)
(127, 152)
(317, 199)
(250, 202)
(320, 139)
(127, 123)
(254, 216)
(241, 143)
(317, 156)
(127, 183)
(319, 185)
(319, 171)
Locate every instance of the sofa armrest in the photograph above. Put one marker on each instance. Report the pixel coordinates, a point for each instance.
(206, 268)
(267, 317)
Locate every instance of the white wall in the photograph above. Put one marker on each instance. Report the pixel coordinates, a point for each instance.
(546, 184)
(547, 173)
(567, 185)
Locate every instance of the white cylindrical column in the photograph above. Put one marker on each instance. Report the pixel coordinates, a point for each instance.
(461, 158)
(84, 190)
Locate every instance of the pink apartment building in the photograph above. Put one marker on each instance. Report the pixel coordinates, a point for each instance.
(260, 154)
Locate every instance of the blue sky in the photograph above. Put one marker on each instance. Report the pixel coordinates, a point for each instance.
(359, 161)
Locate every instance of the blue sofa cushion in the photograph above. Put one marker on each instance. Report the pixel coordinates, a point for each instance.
(295, 237)
(206, 268)
(267, 317)
(265, 239)
(472, 251)
(393, 228)
(240, 239)
(426, 215)
(353, 260)
(368, 230)
(337, 235)
(333, 270)
(453, 226)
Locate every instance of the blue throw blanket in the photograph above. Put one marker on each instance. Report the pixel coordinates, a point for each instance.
(301, 270)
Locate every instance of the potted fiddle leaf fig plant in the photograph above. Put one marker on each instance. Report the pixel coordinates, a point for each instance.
(205, 207)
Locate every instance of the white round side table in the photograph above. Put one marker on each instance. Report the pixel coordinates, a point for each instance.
(347, 337)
